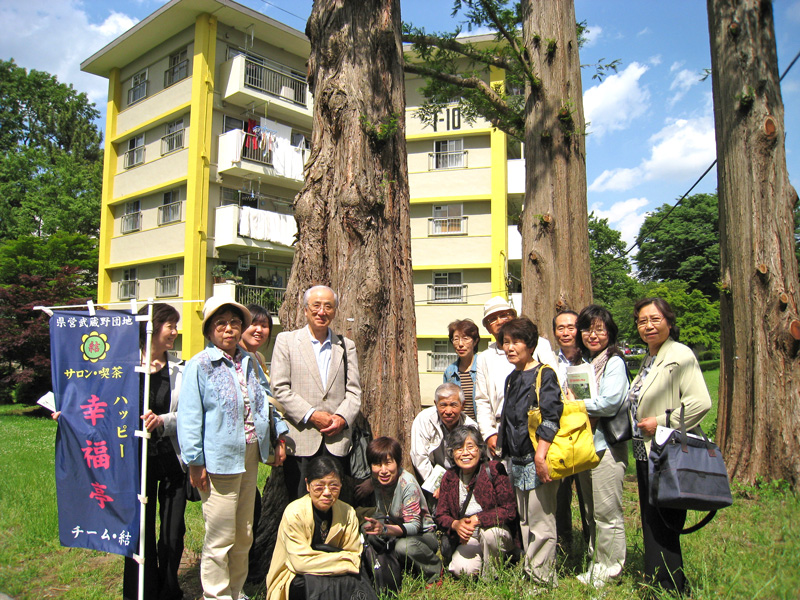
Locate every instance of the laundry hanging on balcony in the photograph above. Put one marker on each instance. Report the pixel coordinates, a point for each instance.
(267, 226)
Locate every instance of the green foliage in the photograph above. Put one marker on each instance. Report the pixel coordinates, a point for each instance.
(50, 156)
(697, 316)
(612, 282)
(385, 129)
(685, 246)
(46, 257)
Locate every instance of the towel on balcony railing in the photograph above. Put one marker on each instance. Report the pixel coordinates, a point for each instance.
(267, 226)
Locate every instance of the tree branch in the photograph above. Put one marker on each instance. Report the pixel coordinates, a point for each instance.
(465, 50)
(512, 42)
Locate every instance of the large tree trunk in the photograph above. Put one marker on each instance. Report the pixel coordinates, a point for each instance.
(758, 419)
(353, 211)
(555, 238)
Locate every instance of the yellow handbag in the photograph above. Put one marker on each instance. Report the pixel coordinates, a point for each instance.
(572, 450)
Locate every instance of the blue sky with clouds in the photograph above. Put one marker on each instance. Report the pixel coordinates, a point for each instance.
(651, 124)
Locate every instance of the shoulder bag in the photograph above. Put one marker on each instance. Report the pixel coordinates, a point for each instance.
(619, 428)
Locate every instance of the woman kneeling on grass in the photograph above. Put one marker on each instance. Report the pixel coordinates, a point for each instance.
(401, 513)
(476, 507)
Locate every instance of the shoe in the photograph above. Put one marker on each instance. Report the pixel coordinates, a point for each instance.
(597, 576)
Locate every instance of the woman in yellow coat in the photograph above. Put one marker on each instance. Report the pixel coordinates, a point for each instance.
(318, 535)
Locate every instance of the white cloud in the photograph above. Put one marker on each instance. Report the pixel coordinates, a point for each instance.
(625, 216)
(477, 31)
(618, 100)
(645, 31)
(655, 60)
(592, 34)
(675, 66)
(56, 36)
(678, 153)
(681, 84)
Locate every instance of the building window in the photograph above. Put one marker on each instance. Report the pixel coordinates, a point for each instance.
(135, 154)
(138, 89)
(132, 218)
(231, 123)
(170, 209)
(128, 286)
(167, 284)
(178, 68)
(442, 356)
(173, 140)
(447, 154)
(447, 220)
(447, 288)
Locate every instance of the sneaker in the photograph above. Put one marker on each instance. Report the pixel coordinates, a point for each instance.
(596, 576)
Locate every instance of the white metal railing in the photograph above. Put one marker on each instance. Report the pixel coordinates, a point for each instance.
(447, 160)
(169, 213)
(447, 225)
(127, 289)
(171, 142)
(252, 151)
(131, 222)
(166, 286)
(270, 298)
(137, 92)
(447, 293)
(176, 73)
(439, 361)
(134, 157)
(271, 81)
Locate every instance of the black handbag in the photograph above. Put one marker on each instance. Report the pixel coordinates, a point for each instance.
(687, 472)
(619, 428)
(380, 563)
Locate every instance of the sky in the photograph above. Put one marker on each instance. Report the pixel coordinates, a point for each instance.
(651, 125)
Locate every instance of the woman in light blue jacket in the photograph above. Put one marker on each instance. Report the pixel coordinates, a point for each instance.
(226, 426)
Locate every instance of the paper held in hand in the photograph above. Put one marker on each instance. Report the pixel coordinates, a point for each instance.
(431, 484)
(582, 382)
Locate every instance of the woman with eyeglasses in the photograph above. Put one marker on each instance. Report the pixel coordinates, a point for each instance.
(318, 550)
(464, 336)
(669, 377)
(224, 430)
(601, 487)
(476, 507)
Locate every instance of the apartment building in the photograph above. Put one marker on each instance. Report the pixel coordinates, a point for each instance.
(208, 128)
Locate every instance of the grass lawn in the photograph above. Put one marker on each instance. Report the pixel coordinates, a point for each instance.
(751, 550)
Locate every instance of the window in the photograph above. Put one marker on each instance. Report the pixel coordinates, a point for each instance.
(448, 154)
(167, 284)
(138, 89)
(447, 220)
(173, 140)
(128, 285)
(170, 209)
(447, 288)
(178, 68)
(132, 218)
(231, 123)
(442, 356)
(135, 154)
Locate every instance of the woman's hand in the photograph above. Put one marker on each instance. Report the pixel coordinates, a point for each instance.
(465, 527)
(570, 395)
(198, 476)
(279, 455)
(540, 460)
(375, 527)
(152, 421)
(648, 426)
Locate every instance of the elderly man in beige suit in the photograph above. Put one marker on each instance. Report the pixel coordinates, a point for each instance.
(315, 379)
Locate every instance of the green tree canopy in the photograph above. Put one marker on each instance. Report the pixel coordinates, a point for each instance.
(50, 156)
(697, 317)
(611, 271)
(685, 246)
(47, 257)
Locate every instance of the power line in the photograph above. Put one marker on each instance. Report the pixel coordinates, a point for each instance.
(303, 19)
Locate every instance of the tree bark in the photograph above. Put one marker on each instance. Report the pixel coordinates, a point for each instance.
(758, 419)
(555, 240)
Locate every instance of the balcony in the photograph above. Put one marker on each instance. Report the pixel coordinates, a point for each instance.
(269, 297)
(244, 155)
(127, 289)
(447, 160)
(177, 73)
(166, 286)
(134, 157)
(251, 228)
(244, 81)
(169, 213)
(131, 222)
(439, 361)
(447, 226)
(172, 142)
(447, 294)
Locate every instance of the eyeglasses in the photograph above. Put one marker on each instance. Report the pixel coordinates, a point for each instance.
(506, 314)
(598, 332)
(471, 448)
(655, 321)
(318, 488)
(458, 339)
(222, 324)
(326, 308)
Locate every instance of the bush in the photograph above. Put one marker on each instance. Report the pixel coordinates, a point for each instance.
(634, 361)
(708, 355)
(709, 365)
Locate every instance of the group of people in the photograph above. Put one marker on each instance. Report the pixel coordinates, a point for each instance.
(475, 474)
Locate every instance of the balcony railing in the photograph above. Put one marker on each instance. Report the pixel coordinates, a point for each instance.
(175, 74)
(131, 222)
(447, 225)
(127, 289)
(137, 92)
(447, 294)
(271, 81)
(252, 151)
(439, 361)
(169, 213)
(171, 142)
(270, 298)
(134, 157)
(166, 286)
(447, 160)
